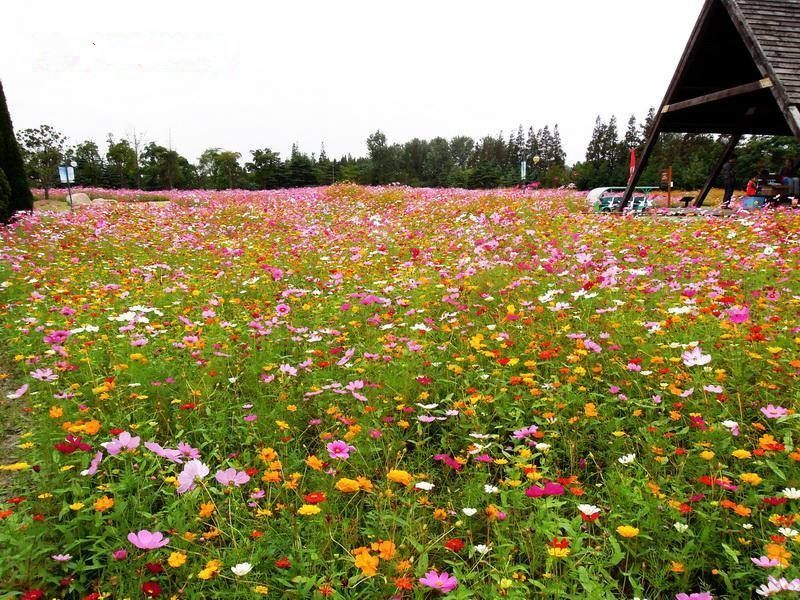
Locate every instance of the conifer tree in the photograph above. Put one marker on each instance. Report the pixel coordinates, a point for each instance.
(20, 197)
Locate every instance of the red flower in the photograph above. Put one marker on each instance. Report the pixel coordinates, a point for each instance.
(556, 543)
(454, 544)
(283, 563)
(151, 589)
(34, 594)
(154, 568)
(314, 497)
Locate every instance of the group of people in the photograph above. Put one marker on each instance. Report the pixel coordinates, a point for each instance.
(788, 176)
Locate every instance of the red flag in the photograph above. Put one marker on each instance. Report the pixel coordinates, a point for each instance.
(633, 164)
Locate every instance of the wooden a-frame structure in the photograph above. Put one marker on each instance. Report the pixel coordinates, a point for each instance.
(739, 75)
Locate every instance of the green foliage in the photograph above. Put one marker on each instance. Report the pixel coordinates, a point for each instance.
(43, 151)
(5, 192)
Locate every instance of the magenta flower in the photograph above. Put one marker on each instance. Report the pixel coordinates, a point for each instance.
(146, 540)
(193, 471)
(124, 442)
(738, 314)
(120, 554)
(441, 582)
(232, 477)
(340, 450)
(283, 309)
(774, 412)
(550, 488)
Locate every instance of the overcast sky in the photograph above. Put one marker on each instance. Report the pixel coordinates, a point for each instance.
(244, 75)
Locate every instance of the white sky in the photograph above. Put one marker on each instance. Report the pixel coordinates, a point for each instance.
(244, 75)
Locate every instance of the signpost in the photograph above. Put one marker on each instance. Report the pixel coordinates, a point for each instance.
(67, 175)
(523, 171)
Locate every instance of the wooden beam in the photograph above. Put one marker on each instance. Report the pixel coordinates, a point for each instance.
(712, 178)
(655, 128)
(739, 90)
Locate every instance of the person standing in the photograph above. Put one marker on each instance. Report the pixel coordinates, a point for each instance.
(728, 176)
(787, 178)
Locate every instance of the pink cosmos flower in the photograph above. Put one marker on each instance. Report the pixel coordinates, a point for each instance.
(441, 582)
(232, 477)
(283, 309)
(123, 442)
(340, 450)
(774, 412)
(120, 554)
(525, 432)
(765, 562)
(695, 357)
(18, 393)
(146, 540)
(695, 596)
(192, 471)
(44, 375)
(187, 451)
(98, 458)
(61, 557)
(168, 453)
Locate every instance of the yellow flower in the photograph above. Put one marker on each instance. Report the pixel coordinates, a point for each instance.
(18, 466)
(103, 503)
(364, 483)
(212, 568)
(751, 478)
(707, 455)
(627, 531)
(348, 486)
(176, 559)
(308, 510)
(590, 409)
(558, 552)
(741, 454)
(76, 506)
(779, 553)
(261, 589)
(56, 412)
(399, 476)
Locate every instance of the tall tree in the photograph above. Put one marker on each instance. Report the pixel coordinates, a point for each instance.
(89, 171)
(266, 169)
(43, 151)
(121, 159)
(12, 165)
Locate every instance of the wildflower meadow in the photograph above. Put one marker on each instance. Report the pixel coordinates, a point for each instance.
(354, 392)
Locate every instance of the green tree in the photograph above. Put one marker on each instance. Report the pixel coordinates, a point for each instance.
(5, 193)
(43, 151)
(13, 166)
(89, 171)
(164, 169)
(383, 158)
(122, 162)
(220, 169)
(266, 170)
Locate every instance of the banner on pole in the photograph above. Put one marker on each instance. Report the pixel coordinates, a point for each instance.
(67, 174)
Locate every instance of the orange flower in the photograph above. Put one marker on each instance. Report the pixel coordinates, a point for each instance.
(386, 549)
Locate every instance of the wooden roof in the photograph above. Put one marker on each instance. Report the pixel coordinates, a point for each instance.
(740, 72)
(776, 28)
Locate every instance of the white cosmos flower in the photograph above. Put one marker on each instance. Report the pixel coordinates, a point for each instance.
(242, 569)
(490, 489)
(424, 485)
(788, 532)
(588, 509)
(481, 548)
(792, 493)
(469, 511)
(542, 447)
(627, 459)
(681, 527)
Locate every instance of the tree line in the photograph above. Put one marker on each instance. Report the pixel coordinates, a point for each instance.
(492, 161)
(132, 162)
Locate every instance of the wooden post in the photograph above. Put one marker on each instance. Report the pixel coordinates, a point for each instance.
(717, 168)
(669, 187)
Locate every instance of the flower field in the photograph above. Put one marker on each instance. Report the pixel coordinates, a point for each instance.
(370, 393)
